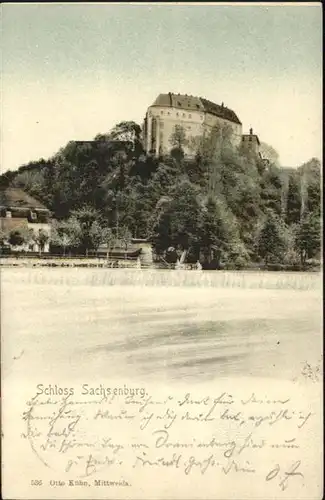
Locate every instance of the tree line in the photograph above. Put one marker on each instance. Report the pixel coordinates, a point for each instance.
(223, 205)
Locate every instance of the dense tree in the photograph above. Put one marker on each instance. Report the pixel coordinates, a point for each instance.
(216, 203)
(178, 137)
(16, 238)
(308, 237)
(108, 238)
(178, 222)
(310, 182)
(125, 236)
(291, 254)
(3, 237)
(214, 234)
(66, 234)
(271, 190)
(293, 205)
(129, 132)
(270, 242)
(41, 238)
(87, 218)
(313, 201)
(268, 152)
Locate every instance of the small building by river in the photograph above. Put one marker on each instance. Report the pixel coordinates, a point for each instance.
(23, 215)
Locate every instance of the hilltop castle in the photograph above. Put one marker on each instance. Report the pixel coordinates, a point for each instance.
(196, 116)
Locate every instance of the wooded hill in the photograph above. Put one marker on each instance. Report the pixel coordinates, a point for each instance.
(225, 205)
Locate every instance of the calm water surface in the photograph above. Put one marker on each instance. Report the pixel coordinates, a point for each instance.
(188, 333)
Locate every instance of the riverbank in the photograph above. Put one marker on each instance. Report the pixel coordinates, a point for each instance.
(163, 278)
(100, 262)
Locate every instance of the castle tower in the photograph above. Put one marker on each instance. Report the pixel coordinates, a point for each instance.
(252, 142)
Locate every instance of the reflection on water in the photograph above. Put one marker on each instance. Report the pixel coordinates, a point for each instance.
(207, 349)
(159, 333)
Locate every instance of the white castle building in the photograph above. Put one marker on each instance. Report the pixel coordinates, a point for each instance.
(195, 115)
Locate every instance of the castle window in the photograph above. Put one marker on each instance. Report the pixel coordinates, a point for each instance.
(177, 114)
(161, 112)
(168, 113)
(184, 115)
(190, 116)
(179, 104)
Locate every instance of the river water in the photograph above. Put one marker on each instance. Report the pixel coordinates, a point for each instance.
(56, 322)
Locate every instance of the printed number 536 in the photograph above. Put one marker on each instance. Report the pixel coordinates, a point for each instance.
(36, 482)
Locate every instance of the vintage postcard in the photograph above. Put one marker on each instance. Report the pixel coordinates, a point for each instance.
(160, 251)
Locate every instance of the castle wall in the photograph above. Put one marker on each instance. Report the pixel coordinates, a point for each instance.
(166, 120)
(211, 121)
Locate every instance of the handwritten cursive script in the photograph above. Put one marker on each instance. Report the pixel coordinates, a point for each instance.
(196, 436)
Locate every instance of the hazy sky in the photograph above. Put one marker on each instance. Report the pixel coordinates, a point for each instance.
(70, 71)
